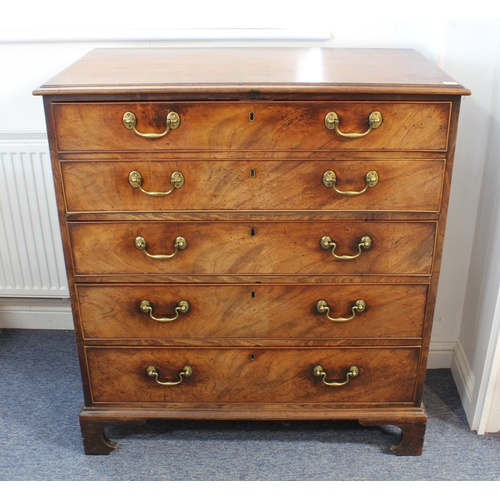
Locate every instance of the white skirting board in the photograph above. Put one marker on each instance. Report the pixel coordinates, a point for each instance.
(441, 354)
(35, 313)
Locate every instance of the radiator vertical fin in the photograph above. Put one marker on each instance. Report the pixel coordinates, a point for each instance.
(31, 256)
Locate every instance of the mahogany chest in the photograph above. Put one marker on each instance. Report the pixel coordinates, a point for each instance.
(252, 233)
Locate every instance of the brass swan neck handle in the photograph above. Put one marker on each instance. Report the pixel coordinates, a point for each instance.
(152, 372)
(332, 121)
(140, 243)
(318, 371)
(323, 308)
(172, 122)
(181, 308)
(176, 181)
(330, 181)
(327, 242)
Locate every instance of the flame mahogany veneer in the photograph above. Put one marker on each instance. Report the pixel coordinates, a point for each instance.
(281, 294)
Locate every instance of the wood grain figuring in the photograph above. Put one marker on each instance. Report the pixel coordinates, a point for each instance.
(256, 248)
(243, 70)
(404, 185)
(216, 126)
(252, 146)
(233, 376)
(253, 248)
(253, 311)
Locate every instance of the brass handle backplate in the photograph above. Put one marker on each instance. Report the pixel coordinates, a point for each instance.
(181, 308)
(332, 121)
(130, 121)
(327, 242)
(140, 243)
(176, 180)
(330, 181)
(323, 308)
(152, 371)
(318, 371)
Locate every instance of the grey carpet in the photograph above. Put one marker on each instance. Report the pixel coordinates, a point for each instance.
(40, 399)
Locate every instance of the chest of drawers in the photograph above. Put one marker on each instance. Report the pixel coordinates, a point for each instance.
(252, 233)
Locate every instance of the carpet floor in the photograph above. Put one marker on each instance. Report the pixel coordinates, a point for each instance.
(41, 396)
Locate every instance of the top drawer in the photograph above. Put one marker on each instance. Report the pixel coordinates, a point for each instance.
(220, 126)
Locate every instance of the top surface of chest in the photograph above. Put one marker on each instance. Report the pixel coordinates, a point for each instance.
(259, 70)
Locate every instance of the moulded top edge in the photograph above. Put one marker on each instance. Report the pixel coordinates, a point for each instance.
(281, 70)
(251, 89)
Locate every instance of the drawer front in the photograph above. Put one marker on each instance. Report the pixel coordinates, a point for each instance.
(254, 248)
(402, 185)
(252, 311)
(220, 126)
(386, 375)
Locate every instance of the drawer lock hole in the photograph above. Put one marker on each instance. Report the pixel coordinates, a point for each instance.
(252, 357)
(251, 116)
(253, 295)
(252, 231)
(252, 173)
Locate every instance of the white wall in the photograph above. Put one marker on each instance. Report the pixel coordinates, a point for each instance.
(40, 40)
(475, 365)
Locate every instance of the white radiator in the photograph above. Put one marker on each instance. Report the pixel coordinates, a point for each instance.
(31, 257)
